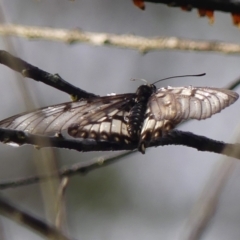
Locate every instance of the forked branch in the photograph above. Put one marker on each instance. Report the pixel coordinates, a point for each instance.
(175, 137)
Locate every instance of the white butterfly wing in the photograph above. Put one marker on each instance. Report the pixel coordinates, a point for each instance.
(182, 103)
(101, 118)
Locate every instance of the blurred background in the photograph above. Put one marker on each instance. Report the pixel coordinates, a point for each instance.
(142, 196)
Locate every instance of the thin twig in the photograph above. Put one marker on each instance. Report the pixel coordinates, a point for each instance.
(138, 43)
(234, 84)
(81, 168)
(10, 211)
(48, 161)
(206, 206)
(60, 207)
(2, 231)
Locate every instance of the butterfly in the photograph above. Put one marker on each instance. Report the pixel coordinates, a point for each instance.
(125, 118)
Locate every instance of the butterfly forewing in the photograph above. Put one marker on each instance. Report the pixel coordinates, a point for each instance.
(181, 103)
(101, 118)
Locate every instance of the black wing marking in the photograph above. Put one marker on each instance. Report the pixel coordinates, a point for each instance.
(169, 106)
(100, 118)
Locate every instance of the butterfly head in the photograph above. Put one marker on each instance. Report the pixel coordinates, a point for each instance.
(145, 91)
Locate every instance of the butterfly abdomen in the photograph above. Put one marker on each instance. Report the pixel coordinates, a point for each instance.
(135, 119)
(137, 113)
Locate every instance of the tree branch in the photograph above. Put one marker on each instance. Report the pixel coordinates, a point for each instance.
(234, 84)
(79, 168)
(220, 5)
(8, 210)
(201, 143)
(138, 43)
(53, 80)
(175, 137)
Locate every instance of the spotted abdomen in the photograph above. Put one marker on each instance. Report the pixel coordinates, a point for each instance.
(135, 120)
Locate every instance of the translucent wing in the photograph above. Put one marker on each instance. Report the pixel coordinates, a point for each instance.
(169, 106)
(153, 129)
(181, 103)
(100, 118)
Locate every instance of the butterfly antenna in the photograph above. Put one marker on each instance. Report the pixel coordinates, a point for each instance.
(195, 75)
(140, 79)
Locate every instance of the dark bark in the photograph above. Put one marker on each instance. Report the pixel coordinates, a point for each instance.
(214, 5)
(53, 80)
(174, 137)
(9, 210)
